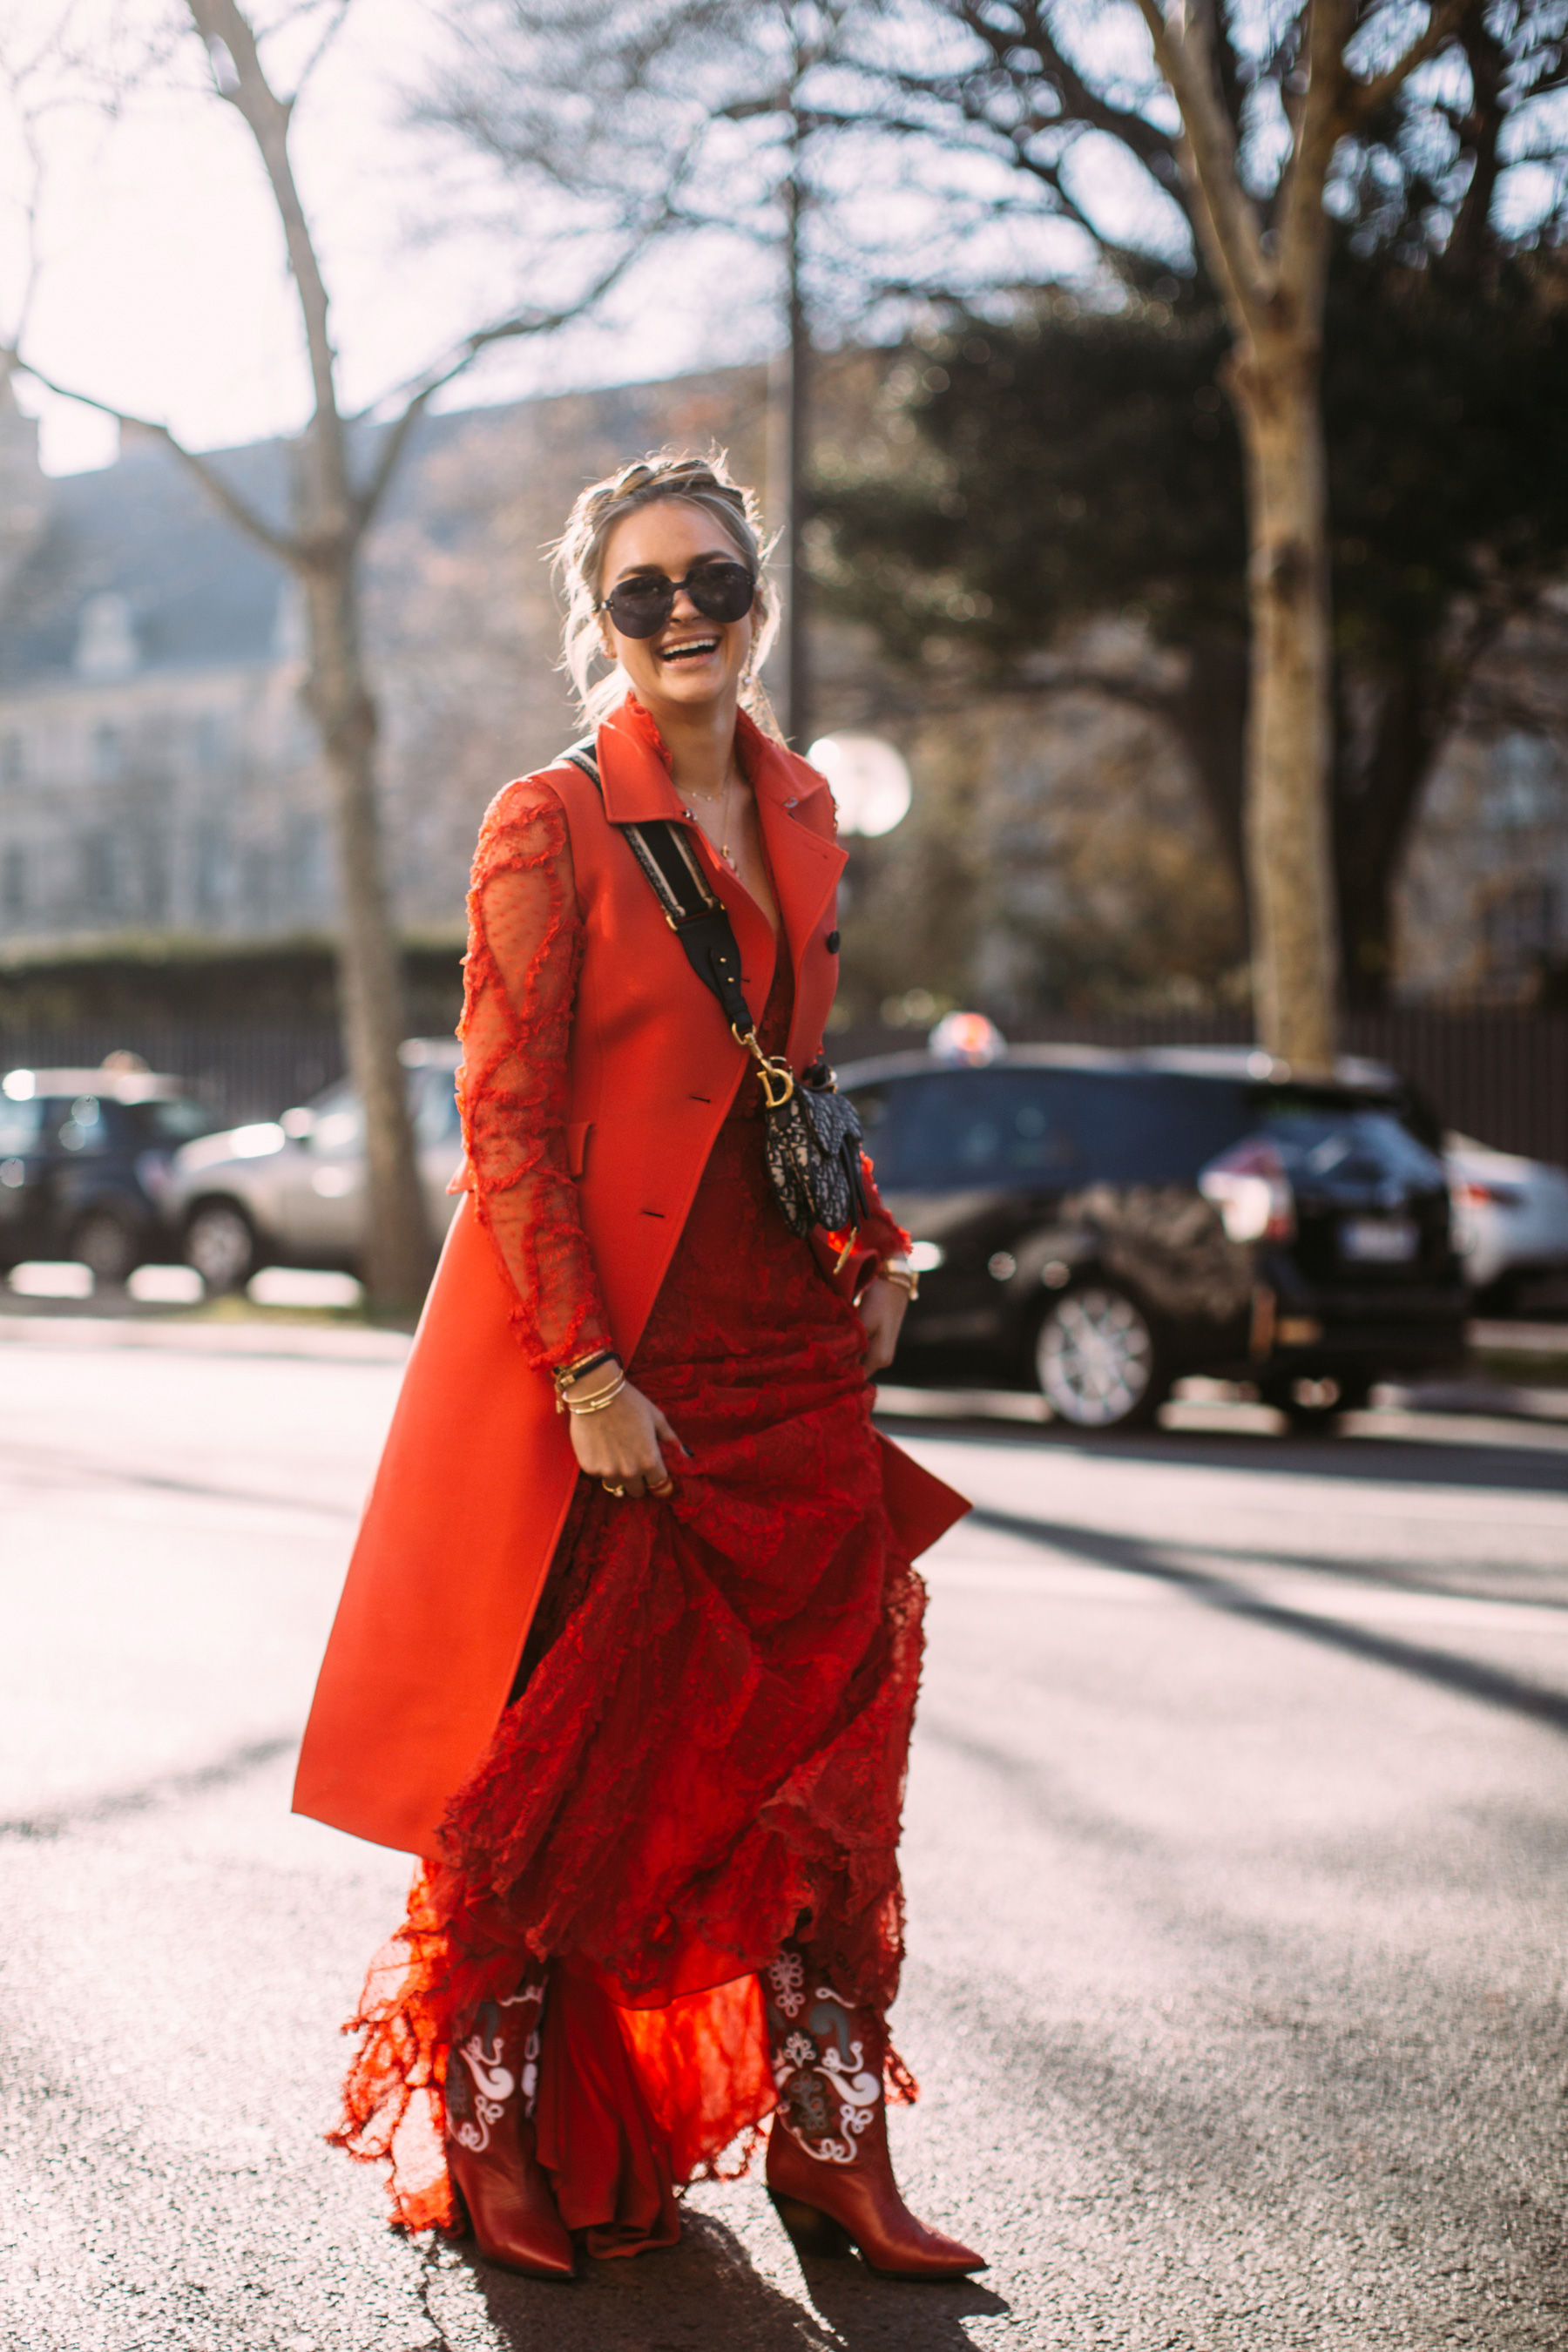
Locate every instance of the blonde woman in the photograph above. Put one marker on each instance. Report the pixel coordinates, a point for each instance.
(629, 1647)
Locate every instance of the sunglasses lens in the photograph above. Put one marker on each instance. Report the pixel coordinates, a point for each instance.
(640, 608)
(721, 592)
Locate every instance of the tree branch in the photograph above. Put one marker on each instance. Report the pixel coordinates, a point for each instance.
(417, 396)
(1361, 100)
(1227, 211)
(239, 510)
(268, 116)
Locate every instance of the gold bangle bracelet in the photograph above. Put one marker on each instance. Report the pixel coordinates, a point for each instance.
(597, 1403)
(904, 1275)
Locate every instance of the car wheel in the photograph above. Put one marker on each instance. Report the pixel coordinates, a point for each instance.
(1096, 1361)
(1317, 1404)
(105, 1243)
(220, 1244)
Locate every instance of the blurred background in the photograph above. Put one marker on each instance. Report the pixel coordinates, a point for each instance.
(926, 272)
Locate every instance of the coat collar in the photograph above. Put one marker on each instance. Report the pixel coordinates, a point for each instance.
(634, 768)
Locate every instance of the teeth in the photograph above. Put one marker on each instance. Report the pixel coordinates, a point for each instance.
(692, 646)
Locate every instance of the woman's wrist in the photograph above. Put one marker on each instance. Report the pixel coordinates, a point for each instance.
(590, 1383)
(899, 1270)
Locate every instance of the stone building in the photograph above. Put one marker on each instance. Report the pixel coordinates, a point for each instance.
(159, 781)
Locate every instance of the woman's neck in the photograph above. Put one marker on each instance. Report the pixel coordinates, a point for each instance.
(700, 743)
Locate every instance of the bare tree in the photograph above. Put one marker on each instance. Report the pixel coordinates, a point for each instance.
(1273, 275)
(333, 504)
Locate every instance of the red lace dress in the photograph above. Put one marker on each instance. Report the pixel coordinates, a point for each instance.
(708, 1752)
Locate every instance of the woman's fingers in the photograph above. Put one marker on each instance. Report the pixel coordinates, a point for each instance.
(666, 1435)
(621, 1446)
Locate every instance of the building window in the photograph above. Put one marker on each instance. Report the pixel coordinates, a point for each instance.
(107, 754)
(100, 873)
(214, 870)
(310, 866)
(106, 637)
(13, 760)
(211, 742)
(14, 884)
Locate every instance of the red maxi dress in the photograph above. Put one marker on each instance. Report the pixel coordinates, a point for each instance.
(705, 1751)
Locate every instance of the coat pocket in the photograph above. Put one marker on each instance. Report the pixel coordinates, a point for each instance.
(577, 1146)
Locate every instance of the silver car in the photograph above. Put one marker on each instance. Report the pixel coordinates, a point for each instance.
(291, 1192)
(1510, 1218)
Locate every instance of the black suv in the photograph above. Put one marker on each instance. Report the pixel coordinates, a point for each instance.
(84, 1155)
(1106, 1223)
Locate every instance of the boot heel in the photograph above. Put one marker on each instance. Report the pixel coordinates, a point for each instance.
(811, 2231)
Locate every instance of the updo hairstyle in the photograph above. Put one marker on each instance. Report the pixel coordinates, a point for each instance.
(579, 563)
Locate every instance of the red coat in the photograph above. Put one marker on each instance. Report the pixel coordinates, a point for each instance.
(478, 1469)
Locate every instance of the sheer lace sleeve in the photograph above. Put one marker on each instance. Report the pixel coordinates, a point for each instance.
(878, 1232)
(520, 981)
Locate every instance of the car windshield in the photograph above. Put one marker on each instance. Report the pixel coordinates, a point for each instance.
(953, 1131)
(19, 1125)
(338, 1122)
(1328, 1143)
(174, 1121)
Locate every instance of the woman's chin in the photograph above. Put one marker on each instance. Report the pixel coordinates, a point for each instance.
(696, 688)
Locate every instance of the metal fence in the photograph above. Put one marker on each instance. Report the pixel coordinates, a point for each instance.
(243, 1069)
(1500, 1076)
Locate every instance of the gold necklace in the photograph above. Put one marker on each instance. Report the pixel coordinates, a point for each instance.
(723, 799)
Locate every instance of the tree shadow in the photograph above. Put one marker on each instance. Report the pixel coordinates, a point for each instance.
(1438, 1461)
(1471, 1677)
(704, 2296)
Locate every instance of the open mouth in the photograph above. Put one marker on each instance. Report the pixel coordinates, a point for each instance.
(689, 649)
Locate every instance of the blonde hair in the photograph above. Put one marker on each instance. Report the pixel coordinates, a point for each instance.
(579, 563)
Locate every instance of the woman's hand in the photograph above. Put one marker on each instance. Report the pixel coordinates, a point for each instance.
(881, 1308)
(621, 1447)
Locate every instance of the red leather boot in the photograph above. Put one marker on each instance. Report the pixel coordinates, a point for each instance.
(829, 2173)
(492, 2076)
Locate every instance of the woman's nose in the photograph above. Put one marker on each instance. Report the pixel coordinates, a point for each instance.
(683, 609)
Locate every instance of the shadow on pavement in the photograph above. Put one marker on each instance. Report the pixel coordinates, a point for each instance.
(1493, 1462)
(1132, 1555)
(704, 2296)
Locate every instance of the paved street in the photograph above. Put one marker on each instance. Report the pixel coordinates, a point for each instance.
(1235, 1862)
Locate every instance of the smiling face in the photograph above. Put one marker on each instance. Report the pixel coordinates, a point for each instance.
(691, 662)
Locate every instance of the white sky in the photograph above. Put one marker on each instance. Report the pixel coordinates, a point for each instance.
(163, 287)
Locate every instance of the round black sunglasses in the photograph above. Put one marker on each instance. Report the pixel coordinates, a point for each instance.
(640, 607)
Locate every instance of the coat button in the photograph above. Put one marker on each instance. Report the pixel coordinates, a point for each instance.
(832, 943)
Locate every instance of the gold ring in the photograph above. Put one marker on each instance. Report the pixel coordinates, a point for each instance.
(609, 1489)
(667, 1488)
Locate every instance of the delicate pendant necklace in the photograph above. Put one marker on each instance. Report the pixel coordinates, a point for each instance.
(723, 799)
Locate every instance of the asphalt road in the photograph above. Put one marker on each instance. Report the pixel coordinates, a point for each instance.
(1235, 1864)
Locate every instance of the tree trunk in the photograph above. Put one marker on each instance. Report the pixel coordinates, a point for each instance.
(399, 1256)
(1288, 735)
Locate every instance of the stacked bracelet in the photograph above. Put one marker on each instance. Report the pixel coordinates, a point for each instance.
(599, 1400)
(900, 1270)
(566, 1376)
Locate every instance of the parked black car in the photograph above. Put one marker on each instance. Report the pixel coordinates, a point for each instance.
(83, 1157)
(1103, 1223)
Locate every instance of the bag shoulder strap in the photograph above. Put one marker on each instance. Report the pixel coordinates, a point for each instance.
(689, 906)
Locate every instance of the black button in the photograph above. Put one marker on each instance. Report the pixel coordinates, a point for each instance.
(833, 942)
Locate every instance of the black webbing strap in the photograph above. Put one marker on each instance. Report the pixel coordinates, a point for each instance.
(690, 908)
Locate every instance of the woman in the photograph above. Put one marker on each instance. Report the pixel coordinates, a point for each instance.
(660, 1896)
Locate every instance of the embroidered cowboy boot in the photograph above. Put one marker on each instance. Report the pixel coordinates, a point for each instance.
(830, 2172)
(492, 2079)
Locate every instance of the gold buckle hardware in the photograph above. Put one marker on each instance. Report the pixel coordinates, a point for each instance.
(776, 1077)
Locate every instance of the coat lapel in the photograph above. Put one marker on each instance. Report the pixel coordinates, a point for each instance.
(805, 865)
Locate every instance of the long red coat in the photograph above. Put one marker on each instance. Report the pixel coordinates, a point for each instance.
(478, 1469)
